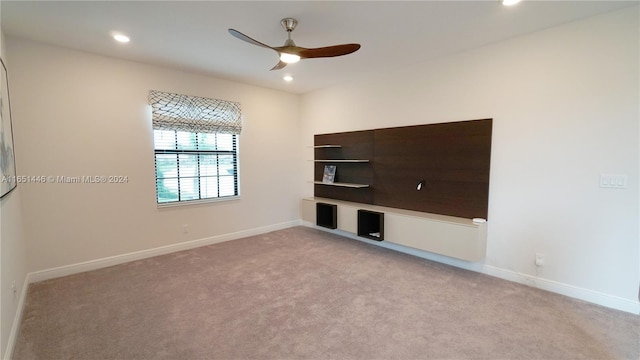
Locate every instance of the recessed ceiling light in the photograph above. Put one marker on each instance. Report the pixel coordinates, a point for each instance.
(121, 38)
(509, 2)
(288, 78)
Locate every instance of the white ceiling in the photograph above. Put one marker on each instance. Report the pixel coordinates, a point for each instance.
(193, 35)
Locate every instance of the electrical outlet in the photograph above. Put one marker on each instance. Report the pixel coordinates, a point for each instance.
(185, 228)
(539, 259)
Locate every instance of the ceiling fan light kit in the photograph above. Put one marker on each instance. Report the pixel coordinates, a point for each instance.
(291, 53)
(289, 58)
(509, 2)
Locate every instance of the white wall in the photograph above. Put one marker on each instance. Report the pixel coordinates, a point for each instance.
(564, 103)
(79, 114)
(12, 246)
(565, 108)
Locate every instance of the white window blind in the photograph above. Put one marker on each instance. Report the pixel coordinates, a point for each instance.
(194, 114)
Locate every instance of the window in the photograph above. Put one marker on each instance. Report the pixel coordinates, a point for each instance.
(196, 147)
(195, 166)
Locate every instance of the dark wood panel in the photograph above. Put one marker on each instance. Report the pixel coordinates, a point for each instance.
(453, 159)
(355, 145)
(364, 195)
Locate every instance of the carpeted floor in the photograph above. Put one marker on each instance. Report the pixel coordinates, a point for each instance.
(301, 293)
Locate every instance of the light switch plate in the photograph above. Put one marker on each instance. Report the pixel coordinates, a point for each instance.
(613, 181)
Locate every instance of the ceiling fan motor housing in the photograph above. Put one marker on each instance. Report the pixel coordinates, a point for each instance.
(289, 24)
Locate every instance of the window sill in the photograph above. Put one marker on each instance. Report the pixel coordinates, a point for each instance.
(197, 202)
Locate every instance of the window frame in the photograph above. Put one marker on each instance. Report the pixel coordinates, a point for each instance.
(234, 152)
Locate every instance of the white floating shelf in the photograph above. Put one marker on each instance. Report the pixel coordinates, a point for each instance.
(343, 161)
(326, 146)
(349, 185)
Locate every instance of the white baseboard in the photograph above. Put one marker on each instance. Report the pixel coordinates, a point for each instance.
(17, 319)
(610, 301)
(576, 292)
(13, 334)
(143, 254)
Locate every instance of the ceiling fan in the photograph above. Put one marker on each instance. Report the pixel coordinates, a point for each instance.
(290, 53)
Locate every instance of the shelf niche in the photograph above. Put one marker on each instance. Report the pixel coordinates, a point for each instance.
(371, 225)
(327, 215)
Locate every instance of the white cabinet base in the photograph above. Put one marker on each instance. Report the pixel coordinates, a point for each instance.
(445, 235)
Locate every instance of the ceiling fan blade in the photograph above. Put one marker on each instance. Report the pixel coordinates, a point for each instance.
(279, 65)
(244, 37)
(329, 51)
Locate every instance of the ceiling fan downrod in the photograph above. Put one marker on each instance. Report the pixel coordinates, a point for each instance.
(289, 24)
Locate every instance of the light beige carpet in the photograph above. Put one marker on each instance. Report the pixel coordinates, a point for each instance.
(302, 293)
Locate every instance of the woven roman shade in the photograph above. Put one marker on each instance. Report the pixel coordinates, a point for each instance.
(194, 114)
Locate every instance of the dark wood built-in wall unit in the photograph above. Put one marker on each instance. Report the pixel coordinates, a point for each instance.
(435, 168)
